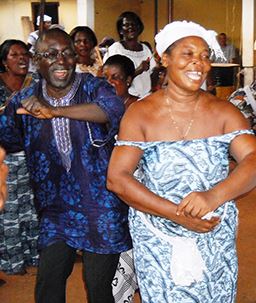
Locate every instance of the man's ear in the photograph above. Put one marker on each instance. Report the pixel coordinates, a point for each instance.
(165, 60)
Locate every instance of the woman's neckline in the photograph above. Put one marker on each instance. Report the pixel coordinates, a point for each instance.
(126, 46)
(188, 140)
(20, 81)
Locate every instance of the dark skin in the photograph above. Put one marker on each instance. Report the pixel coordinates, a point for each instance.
(130, 41)
(116, 77)
(149, 120)
(59, 75)
(3, 176)
(16, 64)
(83, 47)
(42, 110)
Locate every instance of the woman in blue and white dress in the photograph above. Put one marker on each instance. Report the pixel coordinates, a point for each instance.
(170, 164)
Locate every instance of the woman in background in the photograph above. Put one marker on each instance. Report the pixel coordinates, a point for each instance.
(88, 58)
(129, 27)
(119, 71)
(18, 221)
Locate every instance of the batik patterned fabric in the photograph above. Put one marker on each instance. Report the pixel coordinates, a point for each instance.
(125, 283)
(172, 170)
(74, 206)
(245, 100)
(92, 69)
(19, 227)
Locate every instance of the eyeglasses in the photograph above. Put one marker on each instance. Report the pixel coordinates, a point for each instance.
(54, 54)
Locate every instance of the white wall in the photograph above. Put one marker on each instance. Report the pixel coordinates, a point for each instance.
(10, 18)
(11, 12)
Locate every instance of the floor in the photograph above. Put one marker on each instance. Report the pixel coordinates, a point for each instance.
(19, 289)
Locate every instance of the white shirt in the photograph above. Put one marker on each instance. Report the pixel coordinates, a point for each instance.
(33, 36)
(141, 85)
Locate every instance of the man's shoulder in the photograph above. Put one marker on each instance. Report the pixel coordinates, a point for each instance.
(230, 47)
(34, 34)
(87, 80)
(90, 82)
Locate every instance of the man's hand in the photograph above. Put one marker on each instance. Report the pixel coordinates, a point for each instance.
(37, 108)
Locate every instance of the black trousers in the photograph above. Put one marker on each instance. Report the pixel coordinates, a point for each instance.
(56, 265)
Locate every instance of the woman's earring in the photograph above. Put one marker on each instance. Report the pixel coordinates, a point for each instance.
(6, 67)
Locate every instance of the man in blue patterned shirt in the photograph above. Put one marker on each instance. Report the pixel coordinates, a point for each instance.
(68, 161)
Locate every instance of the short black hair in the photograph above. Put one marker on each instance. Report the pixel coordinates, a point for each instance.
(131, 15)
(53, 32)
(87, 30)
(5, 48)
(125, 63)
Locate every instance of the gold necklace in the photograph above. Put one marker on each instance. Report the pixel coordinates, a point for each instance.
(126, 100)
(184, 134)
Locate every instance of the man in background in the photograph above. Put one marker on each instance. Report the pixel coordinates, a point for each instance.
(33, 36)
(227, 49)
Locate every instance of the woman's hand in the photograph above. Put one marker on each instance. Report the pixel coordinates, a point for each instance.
(37, 108)
(196, 224)
(144, 66)
(3, 176)
(197, 204)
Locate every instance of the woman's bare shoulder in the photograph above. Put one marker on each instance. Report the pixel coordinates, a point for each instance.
(219, 106)
(137, 117)
(144, 106)
(225, 111)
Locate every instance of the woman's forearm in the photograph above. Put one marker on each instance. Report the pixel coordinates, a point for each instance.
(138, 196)
(240, 181)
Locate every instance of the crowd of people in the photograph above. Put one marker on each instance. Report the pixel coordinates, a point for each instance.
(107, 156)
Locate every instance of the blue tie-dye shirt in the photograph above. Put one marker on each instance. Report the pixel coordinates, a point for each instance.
(73, 206)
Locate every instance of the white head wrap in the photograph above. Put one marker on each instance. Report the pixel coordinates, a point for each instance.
(46, 19)
(181, 29)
